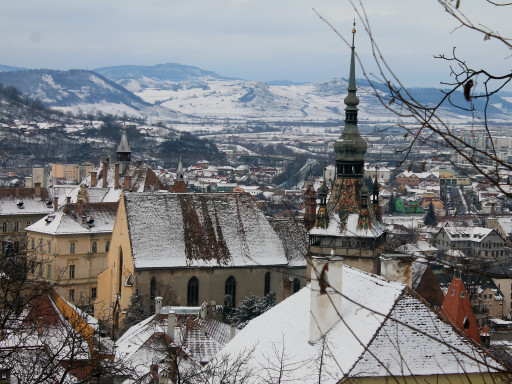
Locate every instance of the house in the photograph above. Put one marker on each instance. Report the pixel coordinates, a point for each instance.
(408, 178)
(191, 248)
(479, 244)
(362, 329)
(172, 342)
(19, 208)
(70, 246)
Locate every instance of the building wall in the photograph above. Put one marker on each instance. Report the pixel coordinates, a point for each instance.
(66, 171)
(505, 286)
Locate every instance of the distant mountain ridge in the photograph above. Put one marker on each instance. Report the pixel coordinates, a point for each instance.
(171, 91)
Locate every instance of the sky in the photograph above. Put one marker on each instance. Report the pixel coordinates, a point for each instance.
(250, 39)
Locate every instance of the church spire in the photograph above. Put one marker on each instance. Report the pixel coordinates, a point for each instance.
(124, 153)
(350, 146)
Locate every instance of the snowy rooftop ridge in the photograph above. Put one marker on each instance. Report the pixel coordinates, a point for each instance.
(386, 330)
(200, 230)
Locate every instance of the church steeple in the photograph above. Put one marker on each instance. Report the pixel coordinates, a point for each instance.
(124, 154)
(350, 146)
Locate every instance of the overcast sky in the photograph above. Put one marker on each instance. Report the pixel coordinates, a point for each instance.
(250, 39)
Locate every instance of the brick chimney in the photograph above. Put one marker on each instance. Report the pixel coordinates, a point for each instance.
(94, 179)
(171, 323)
(116, 177)
(326, 285)
(127, 183)
(37, 189)
(55, 203)
(104, 171)
(79, 207)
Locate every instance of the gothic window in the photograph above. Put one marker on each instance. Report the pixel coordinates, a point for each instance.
(193, 292)
(230, 289)
(120, 272)
(94, 247)
(152, 294)
(267, 283)
(296, 285)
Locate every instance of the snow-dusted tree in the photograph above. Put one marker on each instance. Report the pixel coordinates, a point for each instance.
(392, 204)
(252, 307)
(136, 312)
(430, 218)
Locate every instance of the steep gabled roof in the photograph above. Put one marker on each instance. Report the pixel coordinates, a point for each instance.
(204, 229)
(384, 329)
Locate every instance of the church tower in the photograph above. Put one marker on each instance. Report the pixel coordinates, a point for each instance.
(310, 203)
(179, 183)
(347, 224)
(124, 153)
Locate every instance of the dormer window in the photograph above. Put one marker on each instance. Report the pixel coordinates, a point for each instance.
(19, 204)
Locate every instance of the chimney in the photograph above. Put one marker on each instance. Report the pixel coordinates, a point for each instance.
(127, 183)
(326, 282)
(104, 170)
(79, 207)
(94, 179)
(397, 268)
(158, 304)
(55, 203)
(68, 199)
(116, 178)
(17, 193)
(171, 323)
(37, 189)
(232, 330)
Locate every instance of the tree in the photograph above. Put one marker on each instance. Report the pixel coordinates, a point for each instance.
(136, 312)
(430, 218)
(392, 204)
(252, 307)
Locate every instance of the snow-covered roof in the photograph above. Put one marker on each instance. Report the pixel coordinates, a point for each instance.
(293, 234)
(351, 228)
(475, 234)
(23, 201)
(202, 229)
(147, 342)
(384, 329)
(99, 217)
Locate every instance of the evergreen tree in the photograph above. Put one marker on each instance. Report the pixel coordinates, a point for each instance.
(430, 218)
(392, 204)
(136, 312)
(252, 307)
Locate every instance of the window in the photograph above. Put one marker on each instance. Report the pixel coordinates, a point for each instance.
(93, 293)
(107, 246)
(4, 227)
(120, 272)
(41, 269)
(72, 271)
(49, 247)
(230, 289)
(28, 223)
(72, 248)
(296, 285)
(49, 271)
(71, 295)
(267, 284)
(41, 246)
(193, 292)
(16, 226)
(94, 247)
(33, 244)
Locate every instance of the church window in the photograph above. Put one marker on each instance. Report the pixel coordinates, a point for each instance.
(152, 293)
(267, 284)
(230, 289)
(120, 272)
(296, 285)
(193, 292)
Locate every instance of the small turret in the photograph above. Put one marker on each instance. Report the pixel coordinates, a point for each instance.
(124, 153)
(322, 219)
(179, 183)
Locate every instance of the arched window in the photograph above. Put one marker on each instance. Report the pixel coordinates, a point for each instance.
(120, 272)
(107, 246)
(193, 292)
(230, 289)
(94, 247)
(72, 248)
(152, 294)
(296, 285)
(267, 284)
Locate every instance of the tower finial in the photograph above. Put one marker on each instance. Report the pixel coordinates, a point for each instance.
(353, 33)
